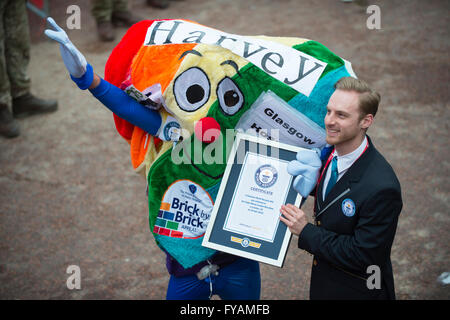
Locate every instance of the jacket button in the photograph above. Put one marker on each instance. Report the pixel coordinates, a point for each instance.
(315, 262)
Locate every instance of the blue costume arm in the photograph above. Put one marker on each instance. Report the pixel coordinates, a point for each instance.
(120, 103)
(126, 107)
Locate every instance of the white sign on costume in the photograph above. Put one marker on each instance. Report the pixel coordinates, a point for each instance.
(295, 68)
(273, 118)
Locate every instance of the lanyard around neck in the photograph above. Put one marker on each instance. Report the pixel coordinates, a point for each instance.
(330, 157)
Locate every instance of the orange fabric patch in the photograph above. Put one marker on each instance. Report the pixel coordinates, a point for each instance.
(140, 141)
(157, 64)
(165, 206)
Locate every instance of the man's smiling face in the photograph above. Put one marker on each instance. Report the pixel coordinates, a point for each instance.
(343, 120)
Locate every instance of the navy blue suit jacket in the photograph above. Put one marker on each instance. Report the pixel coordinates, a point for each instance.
(354, 228)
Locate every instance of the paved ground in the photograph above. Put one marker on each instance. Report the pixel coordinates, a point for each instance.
(69, 197)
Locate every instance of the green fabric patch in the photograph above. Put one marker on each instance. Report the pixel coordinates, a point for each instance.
(172, 225)
(319, 51)
(252, 82)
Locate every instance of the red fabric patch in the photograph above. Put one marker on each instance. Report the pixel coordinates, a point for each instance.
(164, 231)
(177, 234)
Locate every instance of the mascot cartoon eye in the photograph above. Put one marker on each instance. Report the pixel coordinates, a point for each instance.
(230, 97)
(191, 89)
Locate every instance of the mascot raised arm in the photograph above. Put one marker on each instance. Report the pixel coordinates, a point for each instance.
(174, 85)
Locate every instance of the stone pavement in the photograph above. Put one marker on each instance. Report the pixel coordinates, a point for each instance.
(68, 195)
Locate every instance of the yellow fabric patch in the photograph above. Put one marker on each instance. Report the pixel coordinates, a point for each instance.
(210, 64)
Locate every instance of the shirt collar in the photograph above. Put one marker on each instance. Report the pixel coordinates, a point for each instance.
(345, 162)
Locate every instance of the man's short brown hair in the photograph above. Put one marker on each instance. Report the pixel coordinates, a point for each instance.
(368, 98)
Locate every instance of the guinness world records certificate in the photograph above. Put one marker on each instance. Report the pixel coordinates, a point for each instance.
(245, 219)
(261, 190)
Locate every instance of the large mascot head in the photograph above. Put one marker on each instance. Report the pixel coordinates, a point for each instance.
(207, 82)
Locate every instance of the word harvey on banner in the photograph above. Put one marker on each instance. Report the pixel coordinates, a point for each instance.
(293, 67)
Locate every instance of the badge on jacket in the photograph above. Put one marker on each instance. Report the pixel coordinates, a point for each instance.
(348, 207)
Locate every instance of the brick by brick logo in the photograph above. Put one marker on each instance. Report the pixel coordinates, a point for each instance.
(184, 212)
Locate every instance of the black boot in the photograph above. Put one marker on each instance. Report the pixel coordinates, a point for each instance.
(125, 18)
(28, 105)
(160, 4)
(9, 127)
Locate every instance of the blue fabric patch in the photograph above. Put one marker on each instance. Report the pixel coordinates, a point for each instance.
(214, 190)
(168, 215)
(188, 252)
(315, 106)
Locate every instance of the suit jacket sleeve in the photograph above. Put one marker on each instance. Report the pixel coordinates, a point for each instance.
(372, 239)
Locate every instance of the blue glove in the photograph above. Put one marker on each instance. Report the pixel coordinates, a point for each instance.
(73, 59)
(306, 168)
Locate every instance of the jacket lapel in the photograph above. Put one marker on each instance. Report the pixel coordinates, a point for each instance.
(319, 199)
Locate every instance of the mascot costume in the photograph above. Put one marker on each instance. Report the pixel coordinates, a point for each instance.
(175, 84)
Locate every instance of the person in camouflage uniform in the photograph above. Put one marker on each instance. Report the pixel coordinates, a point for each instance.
(14, 80)
(109, 13)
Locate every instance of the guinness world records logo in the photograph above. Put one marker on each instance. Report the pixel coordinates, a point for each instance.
(348, 207)
(169, 130)
(266, 176)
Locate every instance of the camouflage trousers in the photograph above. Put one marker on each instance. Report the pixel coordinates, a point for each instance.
(14, 50)
(102, 9)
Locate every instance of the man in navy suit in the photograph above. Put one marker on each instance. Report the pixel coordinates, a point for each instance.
(357, 204)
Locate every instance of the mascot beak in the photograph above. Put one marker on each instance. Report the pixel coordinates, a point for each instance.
(207, 129)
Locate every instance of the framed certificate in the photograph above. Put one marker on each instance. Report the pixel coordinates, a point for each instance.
(245, 218)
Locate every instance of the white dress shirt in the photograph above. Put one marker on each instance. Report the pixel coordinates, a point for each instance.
(343, 163)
